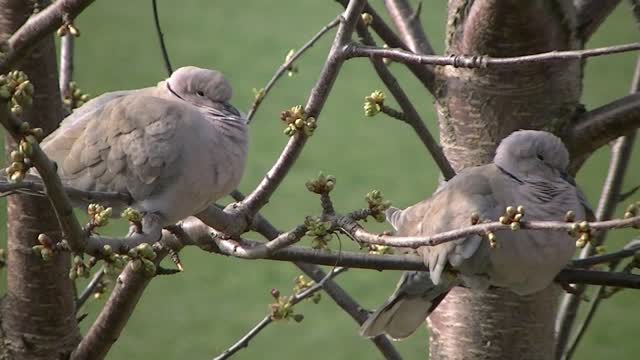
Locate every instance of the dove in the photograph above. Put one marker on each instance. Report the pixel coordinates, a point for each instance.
(174, 148)
(529, 169)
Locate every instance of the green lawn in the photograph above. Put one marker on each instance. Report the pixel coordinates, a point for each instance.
(197, 314)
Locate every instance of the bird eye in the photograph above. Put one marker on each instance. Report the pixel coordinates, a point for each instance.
(199, 93)
(540, 157)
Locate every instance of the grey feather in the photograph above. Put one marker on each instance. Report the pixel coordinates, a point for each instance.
(175, 148)
(528, 170)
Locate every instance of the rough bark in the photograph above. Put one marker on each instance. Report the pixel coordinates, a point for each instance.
(38, 310)
(477, 108)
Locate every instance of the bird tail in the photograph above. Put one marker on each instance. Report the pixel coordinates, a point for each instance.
(414, 299)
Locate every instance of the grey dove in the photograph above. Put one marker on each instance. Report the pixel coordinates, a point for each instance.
(175, 148)
(529, 169)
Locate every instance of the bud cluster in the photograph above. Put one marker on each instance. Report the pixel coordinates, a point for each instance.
(297, 121)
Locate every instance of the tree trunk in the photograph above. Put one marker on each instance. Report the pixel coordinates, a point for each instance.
(476, 109)
(38, 311)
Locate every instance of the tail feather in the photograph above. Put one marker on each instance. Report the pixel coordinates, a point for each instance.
(404, 312)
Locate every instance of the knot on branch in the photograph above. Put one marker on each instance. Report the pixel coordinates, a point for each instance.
(471, 62)
(297, 121)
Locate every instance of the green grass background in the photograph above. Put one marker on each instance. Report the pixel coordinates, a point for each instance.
(197, 314)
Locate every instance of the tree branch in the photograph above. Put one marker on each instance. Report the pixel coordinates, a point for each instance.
(411, 114)
(47, 170)
(591, 14)
(317, 98)
(36, 188)
(482, 61)
(163, 47)
(195, 232)
(37, 27)
(66, 64)
(243, 342)
(286, 65)
(609, 199)
(337, 294)
(407, 22)
(106, 329)
(481, 229)
(425, 74)
(602, 125)
(90, 289)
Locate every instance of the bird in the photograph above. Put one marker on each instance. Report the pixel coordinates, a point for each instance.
(174, 148)
(529, 169)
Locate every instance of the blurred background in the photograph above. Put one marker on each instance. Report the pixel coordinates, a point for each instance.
(199, 313)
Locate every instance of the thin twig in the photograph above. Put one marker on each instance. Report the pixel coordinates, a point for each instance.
(628, 251)
(243, 342)
(410, 113)
(37, 27)
(481, 61)
(317, 98)
(480, 229)
(36, 188)
(286, 65)
(424, 73)
(335, 292)
(163, 47)
(90, 289)
(610, 195)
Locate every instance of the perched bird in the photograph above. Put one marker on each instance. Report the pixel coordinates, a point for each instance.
(529, 170)
(174, 148)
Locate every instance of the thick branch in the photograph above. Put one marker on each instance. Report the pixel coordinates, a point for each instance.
(66, 64)
(407, 21)
(106, 329)
(481, 61)
(47, 170)
(604, 124)
(591, 14)
(39, 26)
(425, 74)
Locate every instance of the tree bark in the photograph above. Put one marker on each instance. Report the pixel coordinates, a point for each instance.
(38, 311)
(476, 109)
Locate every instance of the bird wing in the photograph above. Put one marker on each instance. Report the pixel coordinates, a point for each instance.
(450, 208)
(123, 142)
